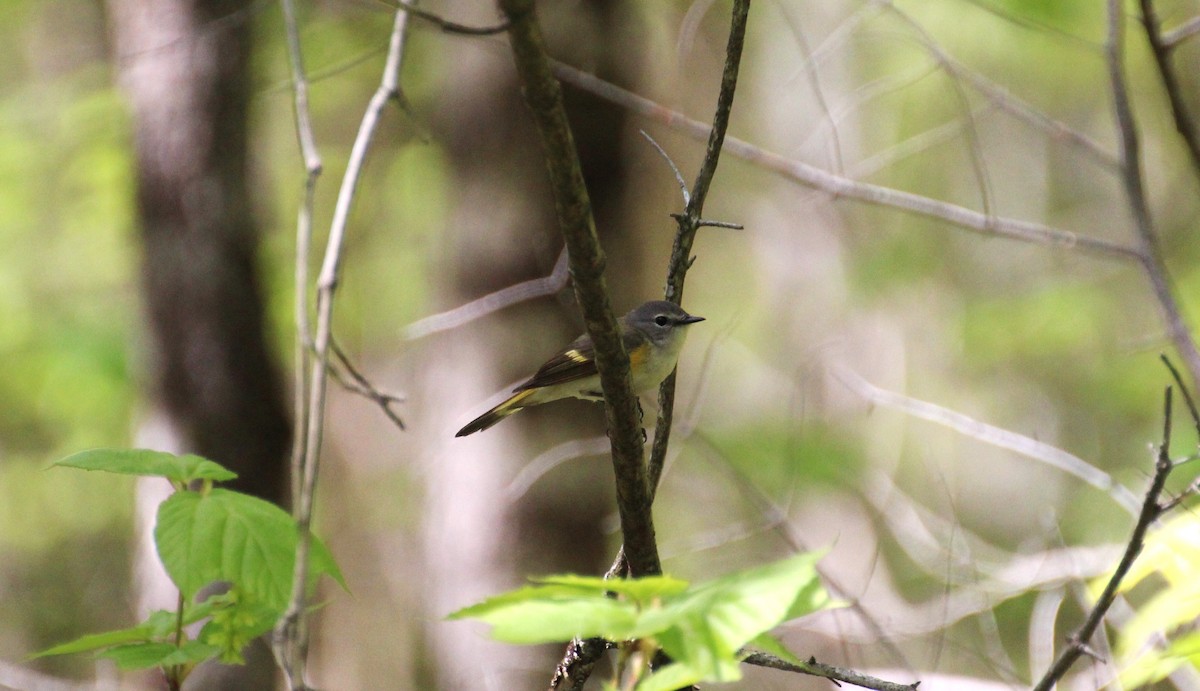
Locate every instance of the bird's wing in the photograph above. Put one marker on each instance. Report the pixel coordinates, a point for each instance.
(576, 361)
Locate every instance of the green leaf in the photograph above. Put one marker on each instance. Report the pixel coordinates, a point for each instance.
(148, 655)
(552, 613)
(639, 590)
(232, 537)
(235, 623)
(179, 469)
(769, 644)
(701, 628)
(707, 625)
(670, 677)
(96, 641)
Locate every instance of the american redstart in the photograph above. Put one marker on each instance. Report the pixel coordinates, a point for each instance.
(653, 335)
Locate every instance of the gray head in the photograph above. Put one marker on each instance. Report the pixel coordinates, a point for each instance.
(658, 319)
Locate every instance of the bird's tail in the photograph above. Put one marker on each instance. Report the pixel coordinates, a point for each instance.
(491, 417)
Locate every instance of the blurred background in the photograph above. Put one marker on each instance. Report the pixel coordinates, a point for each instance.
(898, 390)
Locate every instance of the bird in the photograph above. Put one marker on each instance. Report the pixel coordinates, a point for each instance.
(653, 334)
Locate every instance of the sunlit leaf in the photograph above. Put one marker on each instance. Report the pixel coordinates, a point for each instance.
(179, 469)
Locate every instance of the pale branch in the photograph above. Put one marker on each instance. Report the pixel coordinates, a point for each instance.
(543, 96)
(304, 216)
(834, 674)
(291, 637)
(990, 434)
(549, 284)
(840, 186)
(1166, 71)
(1149, 253)
(1078, 644)
(1181, 33)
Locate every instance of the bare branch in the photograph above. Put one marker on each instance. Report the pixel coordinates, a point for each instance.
(550, 284)
(1078, 644)
(1162, 58)
(683, 188)
(313, 167)
(990, 434)
(445, 24)
(1131, 177)
(839, 186)
(291, 636)
(1181, 33)
(543, 95)
(836, 674)
(357, 383)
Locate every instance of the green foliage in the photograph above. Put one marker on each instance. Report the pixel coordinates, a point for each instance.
(205, 538)
(180, 470)
(702, 628)
(1173, 553)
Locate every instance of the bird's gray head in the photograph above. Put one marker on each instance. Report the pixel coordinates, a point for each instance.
(659, 319)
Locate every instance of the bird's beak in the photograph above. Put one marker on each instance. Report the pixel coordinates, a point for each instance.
(691, 319)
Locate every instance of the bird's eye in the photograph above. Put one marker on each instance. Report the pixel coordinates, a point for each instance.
(661, 320)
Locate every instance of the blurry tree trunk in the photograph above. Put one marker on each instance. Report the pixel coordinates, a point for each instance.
(183, 65)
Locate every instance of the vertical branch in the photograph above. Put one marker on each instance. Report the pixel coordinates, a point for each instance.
(312, 166)
(1162, 58)
(1131, 177)
(689, 222)
(291, 636)
(580, 658)
(543, 95)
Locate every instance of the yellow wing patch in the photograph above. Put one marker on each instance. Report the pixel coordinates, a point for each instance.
(576, 356)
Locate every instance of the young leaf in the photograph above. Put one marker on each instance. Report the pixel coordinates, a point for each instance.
(179, 469)
(96, 641)
(228, 536)
(639, 590)
(671, 677)
(553, 613)
(148, 655)
(707, 625)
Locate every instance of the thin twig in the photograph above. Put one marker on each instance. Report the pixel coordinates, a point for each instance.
(834, 674)
(839, 186)
(357, 383)
(543, 95)
(1179, 108)
(1131, 177)
(689, 222)
(447, 25)
(291, 639)
(1151, 509)
(683, 188)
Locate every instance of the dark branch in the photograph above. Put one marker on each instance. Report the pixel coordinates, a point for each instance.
(543, 95)
(1151, 510)
(691, 220)
(1131, 176)
(356, 382)
(1162, 58)
(581, 656)
(447, 25)
(835, 674)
